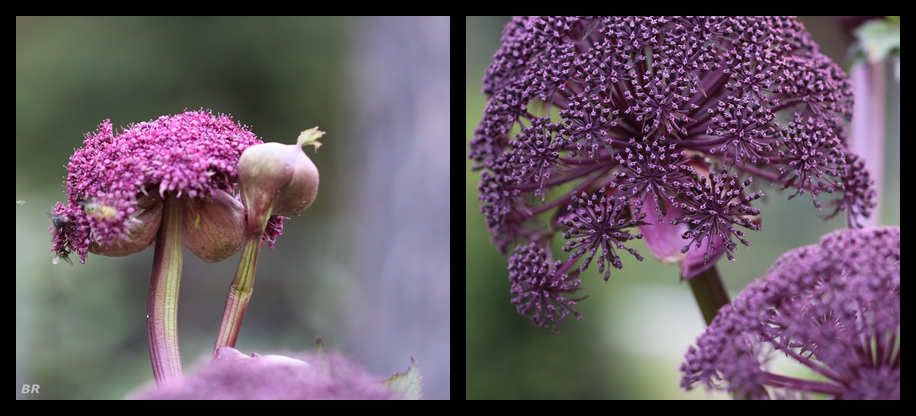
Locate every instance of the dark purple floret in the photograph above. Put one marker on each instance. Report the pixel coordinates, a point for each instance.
(644, 107)
(712, 207)
(745, 130)
(833, 307)
(599, 222)
(538, 288)
(651, 171)
(859, 196)
(811, 161)
(536, 153)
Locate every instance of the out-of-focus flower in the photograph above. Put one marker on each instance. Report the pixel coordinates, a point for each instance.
(674, 118)
(833, 307)
(116, 184)
(233, 375)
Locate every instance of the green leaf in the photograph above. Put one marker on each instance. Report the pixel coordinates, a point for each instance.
(407, 384)
(310, 137)
(878, 39)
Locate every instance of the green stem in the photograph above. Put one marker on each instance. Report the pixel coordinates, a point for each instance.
(239, 293)
(162, 309)
(709, 293)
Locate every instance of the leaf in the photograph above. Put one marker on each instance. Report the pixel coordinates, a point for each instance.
(406, 384)
(310, 137)
(878, 39)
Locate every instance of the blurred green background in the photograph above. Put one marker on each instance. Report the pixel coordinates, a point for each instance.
(365, 267)
(638, 325)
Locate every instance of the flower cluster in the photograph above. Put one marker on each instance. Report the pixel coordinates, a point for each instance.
(599, 223)
(833, 307)
(116, 183)
(538, 288)
(300, 376)
(670, 117)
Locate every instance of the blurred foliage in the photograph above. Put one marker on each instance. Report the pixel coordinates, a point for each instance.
(876, 41)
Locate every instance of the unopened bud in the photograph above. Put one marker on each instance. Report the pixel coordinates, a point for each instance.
(277, 179)
(214, 226)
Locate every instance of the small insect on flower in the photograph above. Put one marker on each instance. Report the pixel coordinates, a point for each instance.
(58, 221)
(98, 210)
(62, 254)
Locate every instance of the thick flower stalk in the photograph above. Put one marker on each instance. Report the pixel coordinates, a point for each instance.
(275, 180)
(171, 180)
(677, 120)
(832, 307)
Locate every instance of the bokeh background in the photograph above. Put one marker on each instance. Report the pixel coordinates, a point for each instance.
(366, 267)
(638, 325)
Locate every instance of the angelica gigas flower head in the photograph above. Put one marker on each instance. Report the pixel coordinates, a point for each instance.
(299, 376)
(679, 119)
(116, 184)
(833, 307)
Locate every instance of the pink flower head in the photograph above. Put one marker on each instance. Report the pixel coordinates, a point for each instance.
(302, 376)
(116, 184)
(834, 307)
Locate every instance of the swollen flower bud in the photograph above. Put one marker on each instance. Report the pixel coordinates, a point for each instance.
(214, 226)
(277, 179)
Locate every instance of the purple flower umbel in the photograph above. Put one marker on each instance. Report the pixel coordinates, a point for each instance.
(234, 376)
(833, 307)
(116, 184)
(670, 118)
(171, 180)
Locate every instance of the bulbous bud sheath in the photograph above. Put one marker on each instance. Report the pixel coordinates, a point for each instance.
(140, 232)
(214, 227)
(277, 179)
